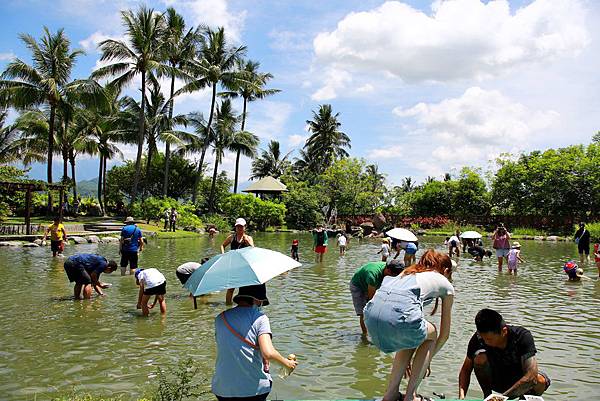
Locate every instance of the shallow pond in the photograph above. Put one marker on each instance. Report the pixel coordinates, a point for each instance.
(50, 344)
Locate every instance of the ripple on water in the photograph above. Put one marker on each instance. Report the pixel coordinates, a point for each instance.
(52, 343)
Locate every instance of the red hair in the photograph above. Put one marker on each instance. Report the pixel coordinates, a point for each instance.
(430, 261)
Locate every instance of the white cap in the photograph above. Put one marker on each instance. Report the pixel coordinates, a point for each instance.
(240, 222)
(129, 220)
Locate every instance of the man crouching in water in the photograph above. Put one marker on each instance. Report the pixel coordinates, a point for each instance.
(503, 358)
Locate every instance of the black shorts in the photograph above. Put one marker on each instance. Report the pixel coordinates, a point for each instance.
(158, 290)
(77, 273)
(260, 397)
(183, 277)
(131, 258)
(584, 247)
(453, 244)
(57, 246)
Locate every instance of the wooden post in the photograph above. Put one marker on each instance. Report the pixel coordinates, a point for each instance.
(28, 211)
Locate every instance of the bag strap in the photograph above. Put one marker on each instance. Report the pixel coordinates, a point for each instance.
(235, 333)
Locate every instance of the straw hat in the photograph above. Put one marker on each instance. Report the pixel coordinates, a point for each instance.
(516, 245)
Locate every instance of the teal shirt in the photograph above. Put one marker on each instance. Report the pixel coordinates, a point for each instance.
(370, 274)
(315, 239)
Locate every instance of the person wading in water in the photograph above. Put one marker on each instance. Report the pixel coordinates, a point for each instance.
(237, 240)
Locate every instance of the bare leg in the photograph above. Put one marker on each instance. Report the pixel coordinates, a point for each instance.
(163, 304)
(123, 270)
(87, 291)
(145, 309)
(421, 362)
(500, 259)
(77, 291)
(401, 361)
(483, 372)
(363, 326)
(229, 296)
(581, 258)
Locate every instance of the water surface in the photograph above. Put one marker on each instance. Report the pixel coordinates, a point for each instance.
(50, 343)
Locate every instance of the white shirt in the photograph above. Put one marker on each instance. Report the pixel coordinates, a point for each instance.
(454, 238)
(385, 249)
(151, 278)
(433, 285)
(341, 240)
(188, 267)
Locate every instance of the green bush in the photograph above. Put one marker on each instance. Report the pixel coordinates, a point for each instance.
(302, 206)
(527, 231)
(259, 214)
(216, 220)
(153, 209)
(593, 228)
(178, 384)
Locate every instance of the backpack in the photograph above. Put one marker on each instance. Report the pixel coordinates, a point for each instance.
(127, 240)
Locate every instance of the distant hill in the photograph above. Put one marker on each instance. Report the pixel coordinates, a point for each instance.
(88, 187)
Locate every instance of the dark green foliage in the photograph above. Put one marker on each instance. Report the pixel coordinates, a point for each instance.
(302, 203)
(259, 213)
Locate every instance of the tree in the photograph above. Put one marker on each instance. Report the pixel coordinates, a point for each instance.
(215, 67)
(242, 143)
(224, 128)
(198, 142)
(270, 163)
(433, 199)
(250, 88)
(140, 55)
(407, 184)
(9, 135)
(179, 47)
(43, 83)
(326, 143)
(470, 196)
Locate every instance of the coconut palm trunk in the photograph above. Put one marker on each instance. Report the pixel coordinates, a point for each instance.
(211, 201)
(168, 144)
(100, 170)
(104, 184)
(205, 148)
(138, 160)
(72, 161)
(50, 153)
(237, 156)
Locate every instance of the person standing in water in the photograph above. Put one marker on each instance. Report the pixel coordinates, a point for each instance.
(342, 240)
(294, 250)
(385, 249)
(501, 243)
(514, 257)
(58, 236)
(319, 243)
(582, 239)
(238, 240)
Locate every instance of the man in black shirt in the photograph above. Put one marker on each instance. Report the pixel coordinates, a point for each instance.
(503, 358)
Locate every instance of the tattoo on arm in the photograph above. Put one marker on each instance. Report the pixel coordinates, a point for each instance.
(525, 383)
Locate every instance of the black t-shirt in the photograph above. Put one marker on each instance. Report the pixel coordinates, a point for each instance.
(477, 251)
(584, 236)
(507, 363)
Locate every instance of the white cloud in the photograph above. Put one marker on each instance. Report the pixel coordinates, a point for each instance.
(467, 130)
(289, 41)
(295, 140)
(90, 44)
(7, 56)
(459, 39)
(267, 118)
(335, 80)
(215, 13)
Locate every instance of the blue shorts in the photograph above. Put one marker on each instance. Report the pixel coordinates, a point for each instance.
(502, 253)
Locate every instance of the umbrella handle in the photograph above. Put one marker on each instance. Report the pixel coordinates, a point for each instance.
(195, 303)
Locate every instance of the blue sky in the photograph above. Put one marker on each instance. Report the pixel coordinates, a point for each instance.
(422, 87)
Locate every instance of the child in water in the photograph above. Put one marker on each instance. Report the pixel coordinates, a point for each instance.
(385, 249)
(151, 282)
(294, 250)
(597, 258)
(574, 272)
(514, 257)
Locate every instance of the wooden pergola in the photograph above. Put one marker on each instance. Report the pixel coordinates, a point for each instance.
(30, 187)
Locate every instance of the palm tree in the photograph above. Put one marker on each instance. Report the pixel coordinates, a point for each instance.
(215, 67)
(250, 88)
(327, 142)
(33, 140)
(226, 122)
(9, 135)
(270, 163)
(24, 86)
(200, 142)
(179, 47)
(407, 184)
(243, 143)
(374, 177)
(139, 56)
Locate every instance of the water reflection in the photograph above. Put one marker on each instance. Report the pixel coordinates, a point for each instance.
(51, 342)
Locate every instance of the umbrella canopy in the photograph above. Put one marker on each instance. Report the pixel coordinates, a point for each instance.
(402, 234)
(239, 268)
(470, 235)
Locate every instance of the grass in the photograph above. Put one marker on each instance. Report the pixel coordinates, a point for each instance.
(527, 231)
(161, 234)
